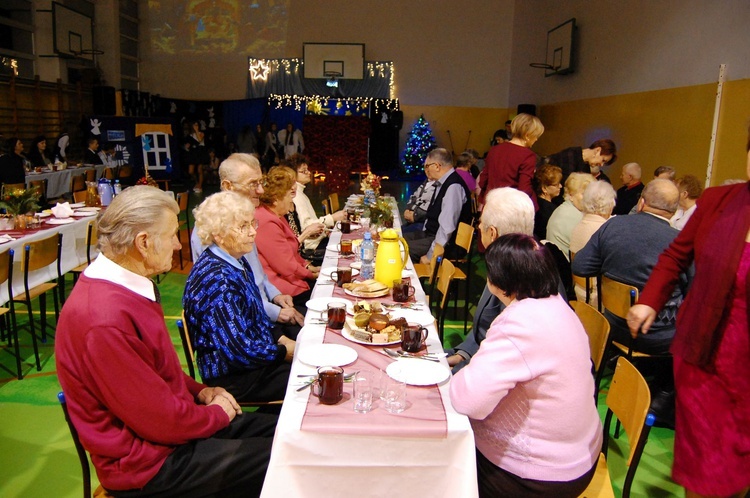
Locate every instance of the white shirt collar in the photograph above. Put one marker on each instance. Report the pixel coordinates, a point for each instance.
(104, 268)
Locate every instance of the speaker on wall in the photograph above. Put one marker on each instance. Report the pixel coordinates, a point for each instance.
(397, 119)
(527, 109)
(104, 100)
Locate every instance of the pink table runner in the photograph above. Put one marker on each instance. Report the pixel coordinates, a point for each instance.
(424, 416)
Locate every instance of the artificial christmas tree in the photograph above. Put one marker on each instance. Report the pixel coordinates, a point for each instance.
(420, 142)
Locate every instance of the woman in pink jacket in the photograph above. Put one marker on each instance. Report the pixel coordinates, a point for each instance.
(278, 246)
(528, 390)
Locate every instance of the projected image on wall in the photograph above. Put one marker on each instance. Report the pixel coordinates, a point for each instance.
(216, 27)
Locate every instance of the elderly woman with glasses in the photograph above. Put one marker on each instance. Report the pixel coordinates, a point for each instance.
(536, 428)
(231, 332)
(278, 248)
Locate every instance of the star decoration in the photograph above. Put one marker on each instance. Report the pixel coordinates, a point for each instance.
(259, 70)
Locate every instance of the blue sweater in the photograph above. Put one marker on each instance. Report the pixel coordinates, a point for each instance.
(229, 328)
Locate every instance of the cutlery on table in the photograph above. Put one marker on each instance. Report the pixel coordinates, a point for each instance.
(402, 354)
(305, 386)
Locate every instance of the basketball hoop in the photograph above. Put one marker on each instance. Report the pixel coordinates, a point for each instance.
(331, 78)
(88, 51)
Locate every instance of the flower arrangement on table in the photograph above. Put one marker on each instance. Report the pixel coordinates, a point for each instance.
(20, 201)
(147, 180)
(370, 182)
(382, 212)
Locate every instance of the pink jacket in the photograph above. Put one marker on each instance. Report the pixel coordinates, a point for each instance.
(529, 393)
(278, 249)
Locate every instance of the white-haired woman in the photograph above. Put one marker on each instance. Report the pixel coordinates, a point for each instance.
(569, 213)
(231, 332)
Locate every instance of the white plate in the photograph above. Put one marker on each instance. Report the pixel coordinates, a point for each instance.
(78, 205)
(84, 213)
(43, 215)
(327, 354)
(321, 303)
(368, 295)
(356, 265)
(326, 272)
(424, 318)
(60, 221)
(417, 372)
(91, 209)
(347, 333)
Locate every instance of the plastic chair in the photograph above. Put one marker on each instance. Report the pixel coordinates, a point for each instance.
(333, 202)
(464, 239)
(187, 348)
(8, 315)
(91, 241)
(82, 457)
(443, 285)
(597, 330)
(429, 271)
(36, 256)
(628, 399)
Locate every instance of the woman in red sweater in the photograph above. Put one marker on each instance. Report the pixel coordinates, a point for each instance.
(512, 163)
(711, 346)
(278, 246)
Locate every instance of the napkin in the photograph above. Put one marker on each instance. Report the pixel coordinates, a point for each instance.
(62, 210)
(6, 238)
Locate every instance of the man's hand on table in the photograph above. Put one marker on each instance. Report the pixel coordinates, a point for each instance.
(219, 396)
(339, 215)
(424, 260)
(290, 315)
(289, 345)
(409, 215)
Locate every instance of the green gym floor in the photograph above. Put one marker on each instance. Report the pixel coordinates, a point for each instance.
(37, 456)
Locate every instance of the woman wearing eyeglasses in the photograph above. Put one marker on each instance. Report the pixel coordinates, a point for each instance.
(231, 332)
(278, 247)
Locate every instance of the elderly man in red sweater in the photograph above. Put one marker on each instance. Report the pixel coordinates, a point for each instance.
(150, 429)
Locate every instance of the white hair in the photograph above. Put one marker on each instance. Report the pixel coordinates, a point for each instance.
(509, 211)
(599, 198)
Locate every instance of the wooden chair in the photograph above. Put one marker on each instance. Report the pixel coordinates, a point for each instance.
(8, 315)
(597, 330)
(36, 256)
(11, 187)
(326, 206)
(99, 492)
(443, 285)
(187, 348)
(90, 175)
(464, 239)
(333, 202)
(429, 271)
(91, 241)
(183, 202)
(40, 186)
(80, 196)
(108, 173)
(78, 183)
(125, 174)
(582, 282)
(628, 399)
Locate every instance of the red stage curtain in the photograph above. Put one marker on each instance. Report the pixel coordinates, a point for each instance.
(336, 145)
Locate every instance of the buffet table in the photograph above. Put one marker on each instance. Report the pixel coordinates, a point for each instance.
(314, 455)
(73, 252)
(58, 182)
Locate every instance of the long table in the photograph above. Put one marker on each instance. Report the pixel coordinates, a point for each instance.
(58, 182)
(73, 253)
(314, 464)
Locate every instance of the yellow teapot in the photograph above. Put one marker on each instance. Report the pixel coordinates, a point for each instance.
(389, 261)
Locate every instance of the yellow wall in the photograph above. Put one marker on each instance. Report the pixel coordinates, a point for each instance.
(663, 127)
(482, 122)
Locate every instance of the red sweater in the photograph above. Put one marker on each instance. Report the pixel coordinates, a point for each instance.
(127, 394)
(507, 165)
(278, 249)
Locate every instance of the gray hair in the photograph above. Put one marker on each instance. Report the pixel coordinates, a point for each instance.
(509, 211)
(634, 170)
(661, 194)
(577, 183)
(219, 213)
(137, 209)
(441, 156)
(599, 198)
(665, 170)
(231, 165)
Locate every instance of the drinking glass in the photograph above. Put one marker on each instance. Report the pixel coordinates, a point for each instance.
(364, 387)
(394, 395)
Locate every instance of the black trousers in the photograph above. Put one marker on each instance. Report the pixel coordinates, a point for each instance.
(495, 482)
(419, 244)
(232, 462)
(261, 384)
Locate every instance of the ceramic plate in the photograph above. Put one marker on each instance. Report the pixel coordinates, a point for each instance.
(347, 333)
(368, 295)
(321, 303)
(327, 354)
(43, 215)
(84, 213)
(424, 318)
(78, 205)
(89, 209)
(60, 221)
(417, 372)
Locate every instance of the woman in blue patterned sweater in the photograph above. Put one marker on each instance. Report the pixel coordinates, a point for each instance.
(230, 330)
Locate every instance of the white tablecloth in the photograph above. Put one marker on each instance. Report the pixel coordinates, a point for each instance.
(58, 182)
(73, 254)
(310, 464)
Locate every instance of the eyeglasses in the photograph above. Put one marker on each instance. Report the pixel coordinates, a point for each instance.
(304, 171)
(245, 229)
(430, 164)
(253, 185)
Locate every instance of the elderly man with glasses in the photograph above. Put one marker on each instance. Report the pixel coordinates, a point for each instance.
(241, 173)
(449, 206)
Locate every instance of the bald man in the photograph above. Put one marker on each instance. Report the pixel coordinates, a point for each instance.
(630, 192)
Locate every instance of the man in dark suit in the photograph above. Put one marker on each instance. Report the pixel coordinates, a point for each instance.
(506, 210)
(91, 156)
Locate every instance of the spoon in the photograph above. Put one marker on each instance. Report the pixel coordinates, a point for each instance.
(313, 381)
